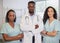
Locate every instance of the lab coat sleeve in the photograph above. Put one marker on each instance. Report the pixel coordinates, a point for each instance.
(24, 26)
(41, 26)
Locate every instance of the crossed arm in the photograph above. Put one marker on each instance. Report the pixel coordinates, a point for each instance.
(8, 38)
(53, 33)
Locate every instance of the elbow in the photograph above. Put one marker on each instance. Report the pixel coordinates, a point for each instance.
(5, 38)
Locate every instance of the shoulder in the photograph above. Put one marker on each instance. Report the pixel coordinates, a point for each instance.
(4, 24)
(57, 21)
(17, 24)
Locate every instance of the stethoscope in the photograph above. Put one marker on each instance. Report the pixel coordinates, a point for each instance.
(27, 19)
(37, 18)
(27, 22)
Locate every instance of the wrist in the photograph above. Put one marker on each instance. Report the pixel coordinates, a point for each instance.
(46, 32)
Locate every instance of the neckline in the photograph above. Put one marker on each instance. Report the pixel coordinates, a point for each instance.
(51, 22)
(11, 26)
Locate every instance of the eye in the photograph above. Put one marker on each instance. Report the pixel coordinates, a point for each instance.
(11, 15)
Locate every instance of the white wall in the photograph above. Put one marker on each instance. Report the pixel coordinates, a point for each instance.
(1, 11)
(42, 5)
(1, 14)
(17, 4)
(20, 6)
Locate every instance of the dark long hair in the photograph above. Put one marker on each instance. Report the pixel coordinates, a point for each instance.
(45, 17)
(7, 19)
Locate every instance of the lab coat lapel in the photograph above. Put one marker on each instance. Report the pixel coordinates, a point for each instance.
(35, 20)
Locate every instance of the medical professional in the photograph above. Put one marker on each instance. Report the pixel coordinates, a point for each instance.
(31, 24)
(51, 26)
(11, 31)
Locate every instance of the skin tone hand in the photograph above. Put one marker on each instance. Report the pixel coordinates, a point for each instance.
(43, 32)
(36, 26)
(20, 35)
(53, 33)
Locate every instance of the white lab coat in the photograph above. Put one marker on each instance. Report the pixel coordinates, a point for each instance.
(27, 25)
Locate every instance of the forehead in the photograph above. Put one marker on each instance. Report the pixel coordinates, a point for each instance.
(31, 4)
(11, 13)
(50, 9)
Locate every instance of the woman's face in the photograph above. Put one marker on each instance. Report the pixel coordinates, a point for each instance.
(11, 16)
(50, 12)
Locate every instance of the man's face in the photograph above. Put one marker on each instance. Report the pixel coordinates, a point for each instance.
(31, 7)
